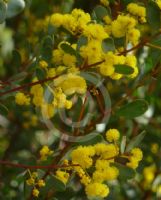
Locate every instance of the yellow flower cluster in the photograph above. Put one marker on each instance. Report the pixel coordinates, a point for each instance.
(59, 101)
(35, 182)
(97, 190)
(74, 22)
(37, 91)
(22, 99)
(95, 32)
(71, 84)
(122, 25)
(83, 156)
(138, 11)
(125, 25)
(100, 156)
(107, 68)
(134, 158)
(92, 51)
(45, 152)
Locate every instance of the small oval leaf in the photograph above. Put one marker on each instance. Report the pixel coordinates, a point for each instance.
(100, 12)
(123, 69)
(15, 7)
(133, 109)
(108, 45)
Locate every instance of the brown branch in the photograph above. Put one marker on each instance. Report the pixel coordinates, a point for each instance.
(82, 113)
(28, 85)
(16, 165)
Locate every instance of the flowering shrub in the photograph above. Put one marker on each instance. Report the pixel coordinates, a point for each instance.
(79, 113)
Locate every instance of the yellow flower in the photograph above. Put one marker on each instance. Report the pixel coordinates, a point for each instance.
(35, 192)
(85, 180)
(121, 25)
(137, 10)
(56, 19)
(133, 36)
(34, 175)
(149, 173)
(68, 104)
(154, 148)
(69, 60)
(136, 156)
(79, 171)
(92, 51)
(97, 190)
(107, 19)
(95, 32)
(83, 156)
(43, 64)
(30, 181)
(106, 174)
(137, 153)
(41, 183)
(57, 56)
(101, 164)
(62, 175)
(51, 73)
(45, 152)
(106, 151)
(71, 84)
(112, 135)
(22, 99)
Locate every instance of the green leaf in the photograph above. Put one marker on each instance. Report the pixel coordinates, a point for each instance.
(40, 73)
(48, 94)
(15, 7)
(125, 172)
(3, 110)
(90, 139)
(3, 11)
(68, 49)
(108, 45)
(123, 69)
(48, 41)
(54, 183)
(153, 16)
(133, 109)
(135, 141)
(46, 53)
(19, 77)
(123, 144)
(100, 12)
(81, 42)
